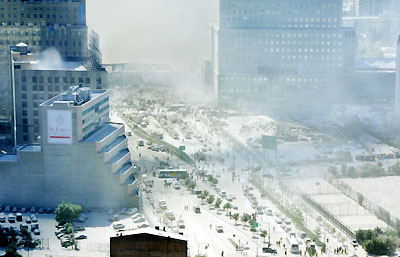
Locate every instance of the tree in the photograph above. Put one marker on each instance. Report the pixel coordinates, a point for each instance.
(263, 234)
(192, 185)
(227, 206)
(245, 218)
(210, 199)
(235, 217)
(360, 199)
(202, 196)
(11, 251)
(26, 240)
(218, 203)
(67, 212)
(253, 229)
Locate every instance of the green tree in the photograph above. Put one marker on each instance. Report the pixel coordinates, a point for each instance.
(192, 185)
(263, 234)
(26, 238)
(245, 217)
(218, 203)
(67, 212)
(210, 199)
(11, 251)
(235, 217)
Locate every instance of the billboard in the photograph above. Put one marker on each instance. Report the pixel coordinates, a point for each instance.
(59, 127)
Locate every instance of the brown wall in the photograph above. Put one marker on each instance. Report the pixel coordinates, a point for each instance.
(146, 245)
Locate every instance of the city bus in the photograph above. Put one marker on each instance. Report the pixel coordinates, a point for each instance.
(172, 173)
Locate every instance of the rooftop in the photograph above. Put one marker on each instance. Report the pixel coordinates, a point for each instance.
(94, 95)
(152, 231)
(103, 133)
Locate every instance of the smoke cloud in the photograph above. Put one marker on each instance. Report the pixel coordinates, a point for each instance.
(173, 32)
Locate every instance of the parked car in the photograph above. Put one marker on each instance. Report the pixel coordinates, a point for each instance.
(49, 211)
(19, 217)
(7, 209)
(14, 209)
(81, 237)
(23, 210)
(354, 243)
(41, 210)
(79, 229)
(11, 218)
(28, 220)
(118, 226)
(34, 218)
(33, 210)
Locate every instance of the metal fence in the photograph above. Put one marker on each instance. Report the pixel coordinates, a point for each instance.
(361, 199)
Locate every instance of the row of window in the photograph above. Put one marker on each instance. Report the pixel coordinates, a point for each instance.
(57, 80)
(252, 35)
(95, 106)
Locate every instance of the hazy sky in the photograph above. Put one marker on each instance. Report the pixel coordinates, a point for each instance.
(174, 32)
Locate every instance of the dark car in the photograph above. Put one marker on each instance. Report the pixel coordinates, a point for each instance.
(41, 210)
(49, 211)
(81, 237)
(269, 250)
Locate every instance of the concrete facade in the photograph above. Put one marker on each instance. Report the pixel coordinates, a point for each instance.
(90, 165)
(272, 49)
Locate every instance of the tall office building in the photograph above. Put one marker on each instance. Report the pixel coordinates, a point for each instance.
(44, 24)
(274, 48)
(377, 7)
(34, 81)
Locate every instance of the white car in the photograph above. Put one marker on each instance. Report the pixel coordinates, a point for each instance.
(136, 216)
(180, 224)
(118, 226)
(143, 225)
(139, 220)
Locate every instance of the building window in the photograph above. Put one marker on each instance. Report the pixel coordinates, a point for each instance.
(87, 80)
(50, 88)
(41, 88)
(24, 105)
(34, 79)
(50, 79)
(25, 121)
(24, 113)
(40, 79)
(57, 88)
(71, 80)
(65, 79)
(24, 96)
(56, 80)
(23, 79)
(23, 87)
